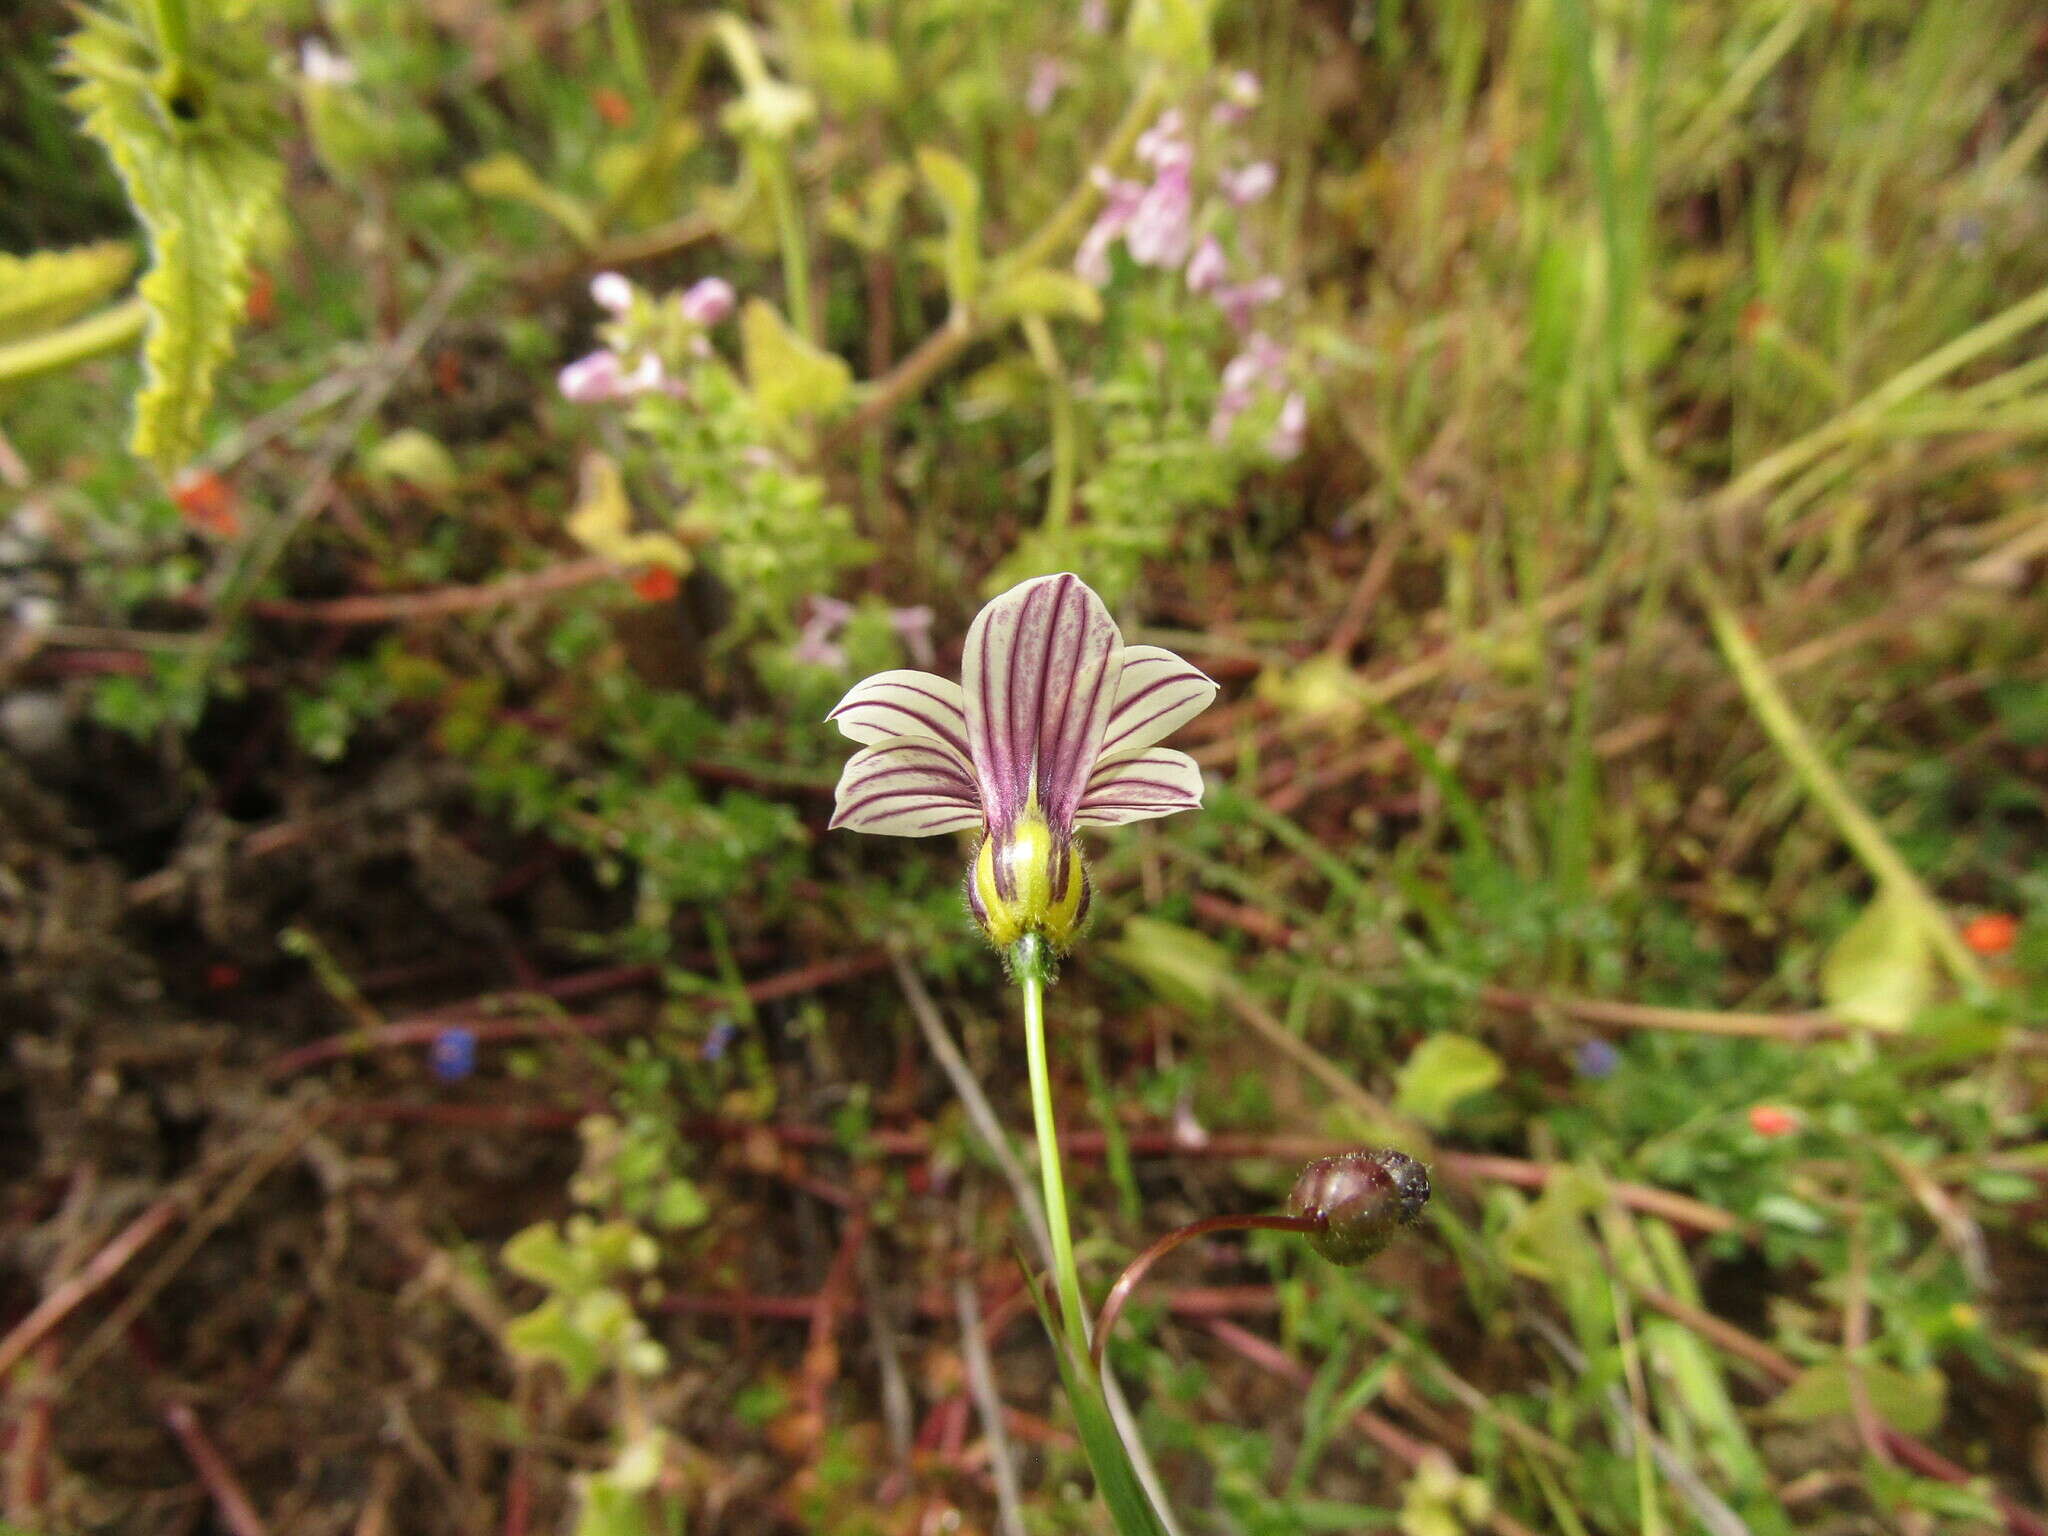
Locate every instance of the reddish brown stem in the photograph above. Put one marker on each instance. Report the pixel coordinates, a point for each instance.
(1134, 1272)
(105, 1264)
(236, 1512)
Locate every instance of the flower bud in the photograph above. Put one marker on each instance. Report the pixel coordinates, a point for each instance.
(1029, 880)
(1362, 1200)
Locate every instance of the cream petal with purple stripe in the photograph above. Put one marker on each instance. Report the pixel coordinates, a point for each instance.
(1039, 679)
(1156, 694)
(904, 703)
(906, 786)
(1136, 786)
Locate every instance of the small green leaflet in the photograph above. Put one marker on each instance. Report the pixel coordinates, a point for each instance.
(193, 141)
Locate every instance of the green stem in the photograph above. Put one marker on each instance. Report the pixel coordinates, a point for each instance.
(1857, 827)
(796, 255)
(1031, 962)
(1066, 220)
(1059, 501)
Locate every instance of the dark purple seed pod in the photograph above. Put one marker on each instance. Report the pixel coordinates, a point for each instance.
(1362, 1199)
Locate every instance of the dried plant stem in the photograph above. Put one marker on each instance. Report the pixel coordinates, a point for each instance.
(1135, 1271)
(1857, 827)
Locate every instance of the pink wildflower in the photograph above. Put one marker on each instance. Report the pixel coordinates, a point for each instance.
(1163, 142)
(1246, 186)
(604, 376)
(708, 301)
(1262, 363)
(612, 292)
(1162, 223)
(1238, 301)
(1207, 267)
(1048, 78)
(1240, 94)
(1120, 201)
(1284, 441)
(914, 627)
(818, 642)
(593, 378)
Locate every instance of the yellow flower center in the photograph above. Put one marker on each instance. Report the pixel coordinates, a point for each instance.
(1029, 881)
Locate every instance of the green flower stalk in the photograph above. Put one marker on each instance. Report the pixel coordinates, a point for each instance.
(1053, 727)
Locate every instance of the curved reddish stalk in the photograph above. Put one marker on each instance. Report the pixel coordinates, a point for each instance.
(1127, 1282)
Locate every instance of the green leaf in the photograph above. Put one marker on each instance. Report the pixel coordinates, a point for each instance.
(417, 458)
(538, 1253)
(546, 1333)
(1188, 969)
(1044, 291)
(959, 194)
(1174, 33)
(46, 288)
(1443, 1071)
(789, 377)
(505, 175)
(192, 139)
(1116, 1479)
(1911, 1401)
(1880, 972)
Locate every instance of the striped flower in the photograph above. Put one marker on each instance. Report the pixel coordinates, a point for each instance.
(1051, 728)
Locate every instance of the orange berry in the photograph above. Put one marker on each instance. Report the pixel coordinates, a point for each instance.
(261, 306)
(612, 106)
(656, 584)
(1991, 933)
(207, 503)
(1771, 1120)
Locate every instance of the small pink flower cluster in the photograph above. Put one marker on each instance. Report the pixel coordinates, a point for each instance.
(607, 374)
(1156, 221)
(819, 645)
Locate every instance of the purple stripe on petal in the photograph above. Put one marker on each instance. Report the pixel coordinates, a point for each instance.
(905, 786)
(1135, 786)
(1158, 692)
(1040, 675)
(904, 703)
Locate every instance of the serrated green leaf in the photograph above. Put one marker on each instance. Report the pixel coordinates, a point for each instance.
(192, 139)
(505, 175)
(1880, 972)
(1444, 1071)
(44, 289)
(539, 1253)
(546, 1333)
(959, 194)
(788, 376)
(1044, 291)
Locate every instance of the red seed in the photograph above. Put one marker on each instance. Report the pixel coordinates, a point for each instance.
(1771, 1120)
(656, 584)
(207, 503)
(1991, 933)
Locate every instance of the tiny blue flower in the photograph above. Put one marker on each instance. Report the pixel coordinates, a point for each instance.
(719, 1040)
(452, 1056)
(1596, 1059)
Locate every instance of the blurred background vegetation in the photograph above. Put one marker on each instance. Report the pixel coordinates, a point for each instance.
(454, 1083)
